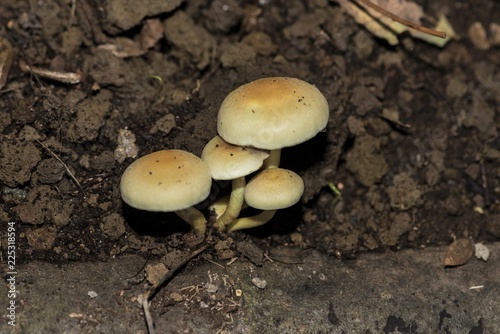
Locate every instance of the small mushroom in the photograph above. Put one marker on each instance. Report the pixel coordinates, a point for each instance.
(270, 190)
(218, 207)
(272, 113)
(231, 162)
(168, 181)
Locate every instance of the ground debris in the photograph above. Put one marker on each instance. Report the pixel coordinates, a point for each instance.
(459, 252)
(482, 252)
(251, 252)
(286, 254)
(6, 57)
(126, 146)
(260, 283)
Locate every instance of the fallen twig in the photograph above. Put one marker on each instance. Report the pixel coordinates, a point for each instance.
(64, 77)
(65, 166)
(156, 287)
(404, 22)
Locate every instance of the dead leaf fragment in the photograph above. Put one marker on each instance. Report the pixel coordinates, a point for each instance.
(495, 34)
(459, 252)
(155, 272)
(251, 252)
(442, 25)
(151, 33)
(404, 9)
(6, 57)
(123, 47)
(385, 28)
(164, 124)
(58, 76)
(368, 22)
(478, 36)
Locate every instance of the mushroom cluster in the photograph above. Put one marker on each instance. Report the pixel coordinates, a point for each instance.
(263, 116)
(254, 123)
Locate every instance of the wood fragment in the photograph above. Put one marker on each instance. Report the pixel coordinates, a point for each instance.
(404, 22)
(484, 184)
(6, 57)
(251, 251)
(64, 77)
(400, 126)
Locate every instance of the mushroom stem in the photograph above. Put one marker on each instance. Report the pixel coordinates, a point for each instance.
(195, 218)
(273, 161)
(250, 222)
(234, 206)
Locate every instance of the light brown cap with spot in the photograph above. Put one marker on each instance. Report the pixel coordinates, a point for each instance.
(272, 113)
(273, 189)
(167, 181)
(227, 162)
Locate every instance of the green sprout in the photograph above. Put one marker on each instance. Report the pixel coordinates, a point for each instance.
(336, 192)
(159, 85)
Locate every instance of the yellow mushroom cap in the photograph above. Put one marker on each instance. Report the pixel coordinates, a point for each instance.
(227, 161)
(272, 113)
(168, 180)
(273, 189)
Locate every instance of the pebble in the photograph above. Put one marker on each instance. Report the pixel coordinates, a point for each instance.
(481, 251)
(211, 288)
(260, 283)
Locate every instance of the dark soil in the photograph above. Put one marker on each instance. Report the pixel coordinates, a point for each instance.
(412, 140)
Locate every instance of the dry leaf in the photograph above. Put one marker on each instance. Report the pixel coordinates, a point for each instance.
(407, 10)
(386, 28)
(368, 22)
(151, 33)
(123, 47)
(495, 34)
(478, 36)
(459, 252)
(6, 56)
(442, 25)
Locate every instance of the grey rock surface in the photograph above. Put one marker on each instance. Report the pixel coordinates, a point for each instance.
(393, 292)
